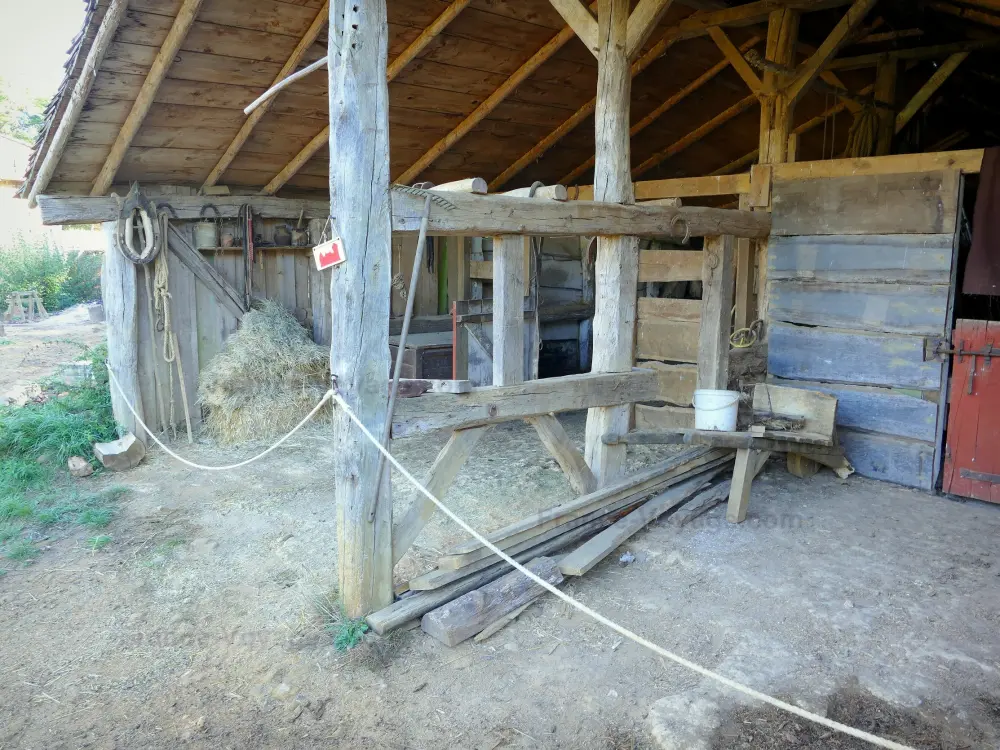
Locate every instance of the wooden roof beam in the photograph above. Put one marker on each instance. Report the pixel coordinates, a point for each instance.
(928, 89)
(672, 101)
(78, 98)
(305, 43)
(641, 23)
(812, 67)
(147, 93)
(696, 135)
(735, 58)
(491, 102)
(396, 67)
(579, 19)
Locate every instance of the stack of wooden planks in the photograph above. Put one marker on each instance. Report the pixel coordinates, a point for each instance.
(591, 526)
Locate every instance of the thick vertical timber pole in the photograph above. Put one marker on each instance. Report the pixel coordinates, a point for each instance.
(885, 91)
(359, 294)
(775, 121)
(617, 267)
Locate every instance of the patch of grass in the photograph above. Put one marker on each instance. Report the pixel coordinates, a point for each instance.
(5, 342)
(62, 279)
(95, 518)
(22, 550)
(348, 633)
(9, 530)
(3, 572)
(23, 473)
(97, 543)
(15, 506)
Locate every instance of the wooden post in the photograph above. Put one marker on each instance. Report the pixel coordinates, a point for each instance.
(121, 309)
(617, 268)
(745, 264)
(508, 310)
(885, 91)
(716, 304)
(359, 295)
(775, 107)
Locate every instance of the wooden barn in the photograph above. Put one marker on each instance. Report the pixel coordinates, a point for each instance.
(621, 203)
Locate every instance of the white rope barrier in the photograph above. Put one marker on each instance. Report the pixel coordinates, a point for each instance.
(621, 630)
(800, 712)
(326, 397)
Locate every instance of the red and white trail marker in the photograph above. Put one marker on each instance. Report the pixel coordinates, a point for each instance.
(329, 254)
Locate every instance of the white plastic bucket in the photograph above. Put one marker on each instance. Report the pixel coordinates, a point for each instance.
(716, 410)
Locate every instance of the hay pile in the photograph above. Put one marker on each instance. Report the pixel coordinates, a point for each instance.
(268, 377)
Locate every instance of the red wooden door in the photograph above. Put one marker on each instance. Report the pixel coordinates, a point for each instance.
(972, 456)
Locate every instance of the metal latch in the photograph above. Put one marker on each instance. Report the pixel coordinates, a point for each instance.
(979, 476)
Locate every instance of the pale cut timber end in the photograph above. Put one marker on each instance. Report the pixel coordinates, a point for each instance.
(549, 192)
(474, 185)
(120, 455)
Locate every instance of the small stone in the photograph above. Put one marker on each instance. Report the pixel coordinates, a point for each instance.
(612, 693)
(79, 467)
(627, 559)
(848, 604)
(282, 691)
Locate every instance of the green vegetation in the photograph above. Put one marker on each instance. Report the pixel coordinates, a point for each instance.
(21, 121)
(348, 633)
(97, 543)
(36, 494)
(62, 279)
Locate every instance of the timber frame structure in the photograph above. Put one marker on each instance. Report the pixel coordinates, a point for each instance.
(521, 92)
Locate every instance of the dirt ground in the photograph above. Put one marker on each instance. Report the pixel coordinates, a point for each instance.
(200, 624)
(30, 351)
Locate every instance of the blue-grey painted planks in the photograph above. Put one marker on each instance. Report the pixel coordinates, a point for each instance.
(885, 359)
(890, 308)
(877, 409)
(891, 459)
(908, 258)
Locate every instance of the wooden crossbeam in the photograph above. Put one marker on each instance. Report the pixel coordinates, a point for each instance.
(914, 53)
(147, 93)
(494, 100)
(641, 23)
(969, 14)
(928, 89)
(579, 19)
(812, 67)
(405, 57)
(300, 51)
(696, 135)
(735, 58)
(77, 98)
(672, 101)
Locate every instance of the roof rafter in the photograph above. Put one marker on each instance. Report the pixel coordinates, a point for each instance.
(735, 58)
(396, 67)
(579, 19)
(812, 67)
(491, 102)
(307, 41)
(641, 23)
(927, 90)
(697, 24)
(668, 104)
(147, 93)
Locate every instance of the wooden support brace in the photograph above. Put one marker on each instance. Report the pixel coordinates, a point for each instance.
(928, 89)
(578, 18)
(749, 462)
(205, 272)
(642, 22)
(570, 460)
(735, 58)
(717, 303)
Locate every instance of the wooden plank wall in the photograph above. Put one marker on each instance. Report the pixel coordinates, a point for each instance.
(667, 336)
(859, 274)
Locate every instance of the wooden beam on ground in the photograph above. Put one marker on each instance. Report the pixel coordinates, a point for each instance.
(495, 404)
(617, 264)
(669, 103)
(291, 64)
(578, 18)
(928, 89)
(716, 308)
(735, 58)
(812, 67)
(438, 479)
(359, 298)
(491, 102)
(570, 460)
(77, 98)
(467, 615)
(147, 93)
(205, 272)
(696, 135)
(595, 549)
(641, 23)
